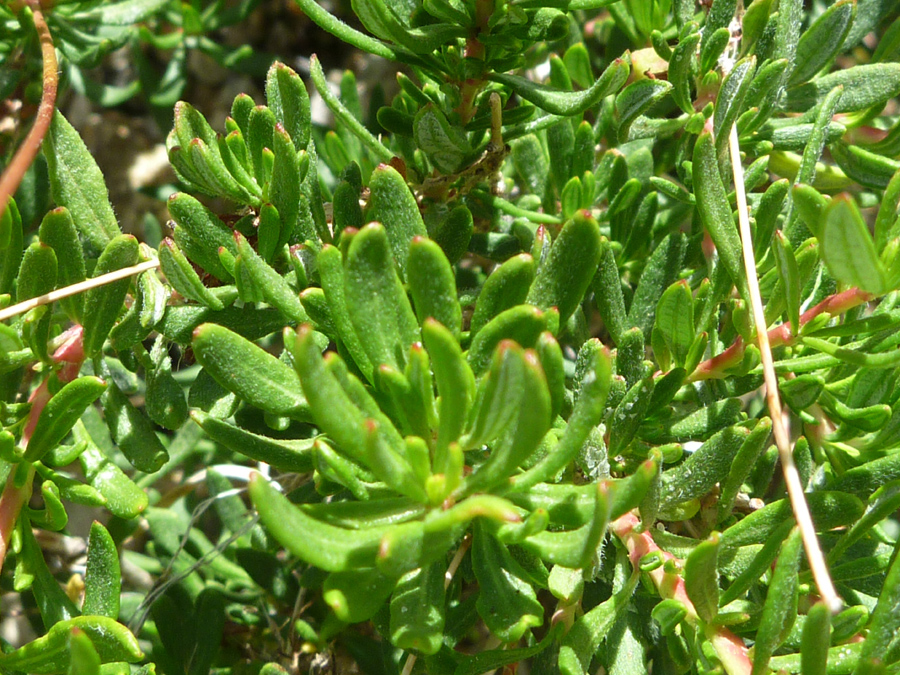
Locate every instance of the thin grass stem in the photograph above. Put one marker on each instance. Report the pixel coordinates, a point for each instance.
(782, 440)
(75, 289)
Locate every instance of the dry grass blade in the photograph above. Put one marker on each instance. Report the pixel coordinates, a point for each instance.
(782, 440)
(75, 289)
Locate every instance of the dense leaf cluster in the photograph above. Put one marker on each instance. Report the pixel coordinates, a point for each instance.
(488, 347)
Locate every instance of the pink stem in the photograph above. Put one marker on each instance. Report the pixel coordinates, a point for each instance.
(839, 303)
(729, 647)
(70, 354)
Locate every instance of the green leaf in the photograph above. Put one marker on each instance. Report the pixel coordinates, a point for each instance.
(346, 209)
(585, 417)
(701, 580)
(78, 185)
(715, 40)
(681, 71)
(331, 272)
(576, 548)
(568, 103)
(179, 323)
(660, 271)
(454, 233)
(273, 287)
(636, 99)
(253, 374)
(356, 595)
(492, 659)
(522, 324)
(564, 277)
(885, 221)
(378, 306)
(208, 626)
(59, 233)
(433, 285)
(789, 274)
(200, 234)
(38, 272)
(415, 544)
(294, 455)
(507, 286)
(61, 413)
(884, 501)
(506, 600)
(730, 100)
(164, 397)
(744, 461)
(123, 498)
(780, 609)
(829, 510)
(864, 86)
(132, 431)
(847, 247)
(822, 41)
(446, 146)
(50, 653)
(181, 275)
(867, 168)
(607, 286)
(417, 610)
(715, 213)
(102, 580)
(288, 171)
(816, 633)
(629, 414)
(759, 565)
(675, 320)
(11, 249)
(884, 623)
(103, 303)
(704, 468)
(530, 419)
(553, 364)
(328, 547)
(32, 572)
(455, 385)
(287, 97)
(393, 205)
(84, 659)
(347, 413)
(581, 642)
(127, 12)
(766, 90)
(328, 22)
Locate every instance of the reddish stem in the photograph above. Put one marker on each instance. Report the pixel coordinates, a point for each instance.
(730, 649)
(70, 354)
(12, 177)
(780, 335)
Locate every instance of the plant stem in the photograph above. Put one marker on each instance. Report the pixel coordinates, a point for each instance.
(782, 439)
(729, 647)
(781, 335)
(15, 171)
(16, 494)
(74, 289)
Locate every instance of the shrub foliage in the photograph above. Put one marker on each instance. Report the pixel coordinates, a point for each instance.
(470, 379)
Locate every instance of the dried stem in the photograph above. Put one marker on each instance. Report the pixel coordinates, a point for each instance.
(12, 177)
(74, 289)
(782, 440)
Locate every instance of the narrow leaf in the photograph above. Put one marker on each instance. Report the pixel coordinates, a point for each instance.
(78, 185)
